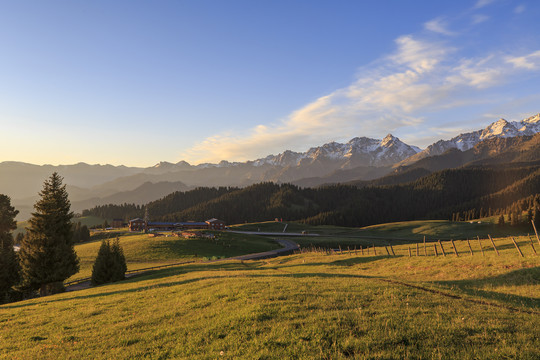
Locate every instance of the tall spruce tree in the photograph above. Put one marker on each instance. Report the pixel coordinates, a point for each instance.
(47, 255)
(9, 264)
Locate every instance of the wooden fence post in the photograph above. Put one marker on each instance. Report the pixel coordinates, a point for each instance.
(349, 251)
(355, 253)
(340, 252)
(374, 250)
(532, 244)
(361, 250)
(517, 247)
(442, 249)
(454, 246)
(493, 243)
(388, 252)
(536, 232)
(409, 251)
(416, 249)
(425, 249)
(480, 243)
(435, 247)
(391, 248)
(470, 248)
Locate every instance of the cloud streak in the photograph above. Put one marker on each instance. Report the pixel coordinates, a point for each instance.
(395, 92)
(438, 26)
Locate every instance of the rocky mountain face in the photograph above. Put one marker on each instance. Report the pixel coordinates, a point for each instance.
(464, 142)
(360, 151)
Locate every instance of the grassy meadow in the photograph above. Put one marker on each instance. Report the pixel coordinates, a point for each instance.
(142, 251)
(390, 233)
(313, 305)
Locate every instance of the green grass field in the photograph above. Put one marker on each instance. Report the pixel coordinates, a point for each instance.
(394, 233)
(142, 251)
(303, 306)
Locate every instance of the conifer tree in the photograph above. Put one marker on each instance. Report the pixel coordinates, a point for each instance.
(119, 260)
(515, 219)
(47, 254)
(9, 264)
(501, 220)
(19, 238)
(536, 217)
(102, 269)
(110, 264)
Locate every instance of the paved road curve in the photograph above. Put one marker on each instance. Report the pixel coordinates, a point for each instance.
(288, 247)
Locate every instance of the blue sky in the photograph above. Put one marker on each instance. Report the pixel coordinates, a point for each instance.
(138, 82)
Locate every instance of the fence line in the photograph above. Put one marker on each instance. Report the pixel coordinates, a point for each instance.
(457, 246)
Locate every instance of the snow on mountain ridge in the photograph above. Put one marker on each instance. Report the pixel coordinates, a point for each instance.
(464, 142)
(370, 152)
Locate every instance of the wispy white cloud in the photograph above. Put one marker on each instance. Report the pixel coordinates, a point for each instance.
(477, 73)
(479, 18)
(482, 3)
(395, 92)
(438, 25)
(519, 9)
(529, 62)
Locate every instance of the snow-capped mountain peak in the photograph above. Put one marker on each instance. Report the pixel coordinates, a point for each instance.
(500, 128)
(389, 140)
(532, 120)
(463, 142)
(356, 152)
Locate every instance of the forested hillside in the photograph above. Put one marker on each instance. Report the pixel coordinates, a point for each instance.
(476, 190)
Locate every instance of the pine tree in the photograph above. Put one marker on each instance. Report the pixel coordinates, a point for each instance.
(85, 233)
(19, 238)
(103, 266)
(110, 264)
(47, 254)
(9, 264)
(515, 219)
(536, 217)
(119, 260)
(501, 220)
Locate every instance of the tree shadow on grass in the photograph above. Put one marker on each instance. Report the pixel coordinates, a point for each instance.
(521, 277)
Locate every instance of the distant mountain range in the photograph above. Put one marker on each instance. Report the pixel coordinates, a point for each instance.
(361, 159)
(463, 142)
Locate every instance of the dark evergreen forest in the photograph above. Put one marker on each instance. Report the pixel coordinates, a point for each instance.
(452, 194)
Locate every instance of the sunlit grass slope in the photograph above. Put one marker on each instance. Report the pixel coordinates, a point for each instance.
(142, 251)
(397, 232)
(304, 306)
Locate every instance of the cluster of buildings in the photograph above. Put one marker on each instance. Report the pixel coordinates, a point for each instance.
(139, 224)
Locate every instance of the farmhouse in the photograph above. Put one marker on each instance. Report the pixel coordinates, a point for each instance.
(138, 224)
(215, 224)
